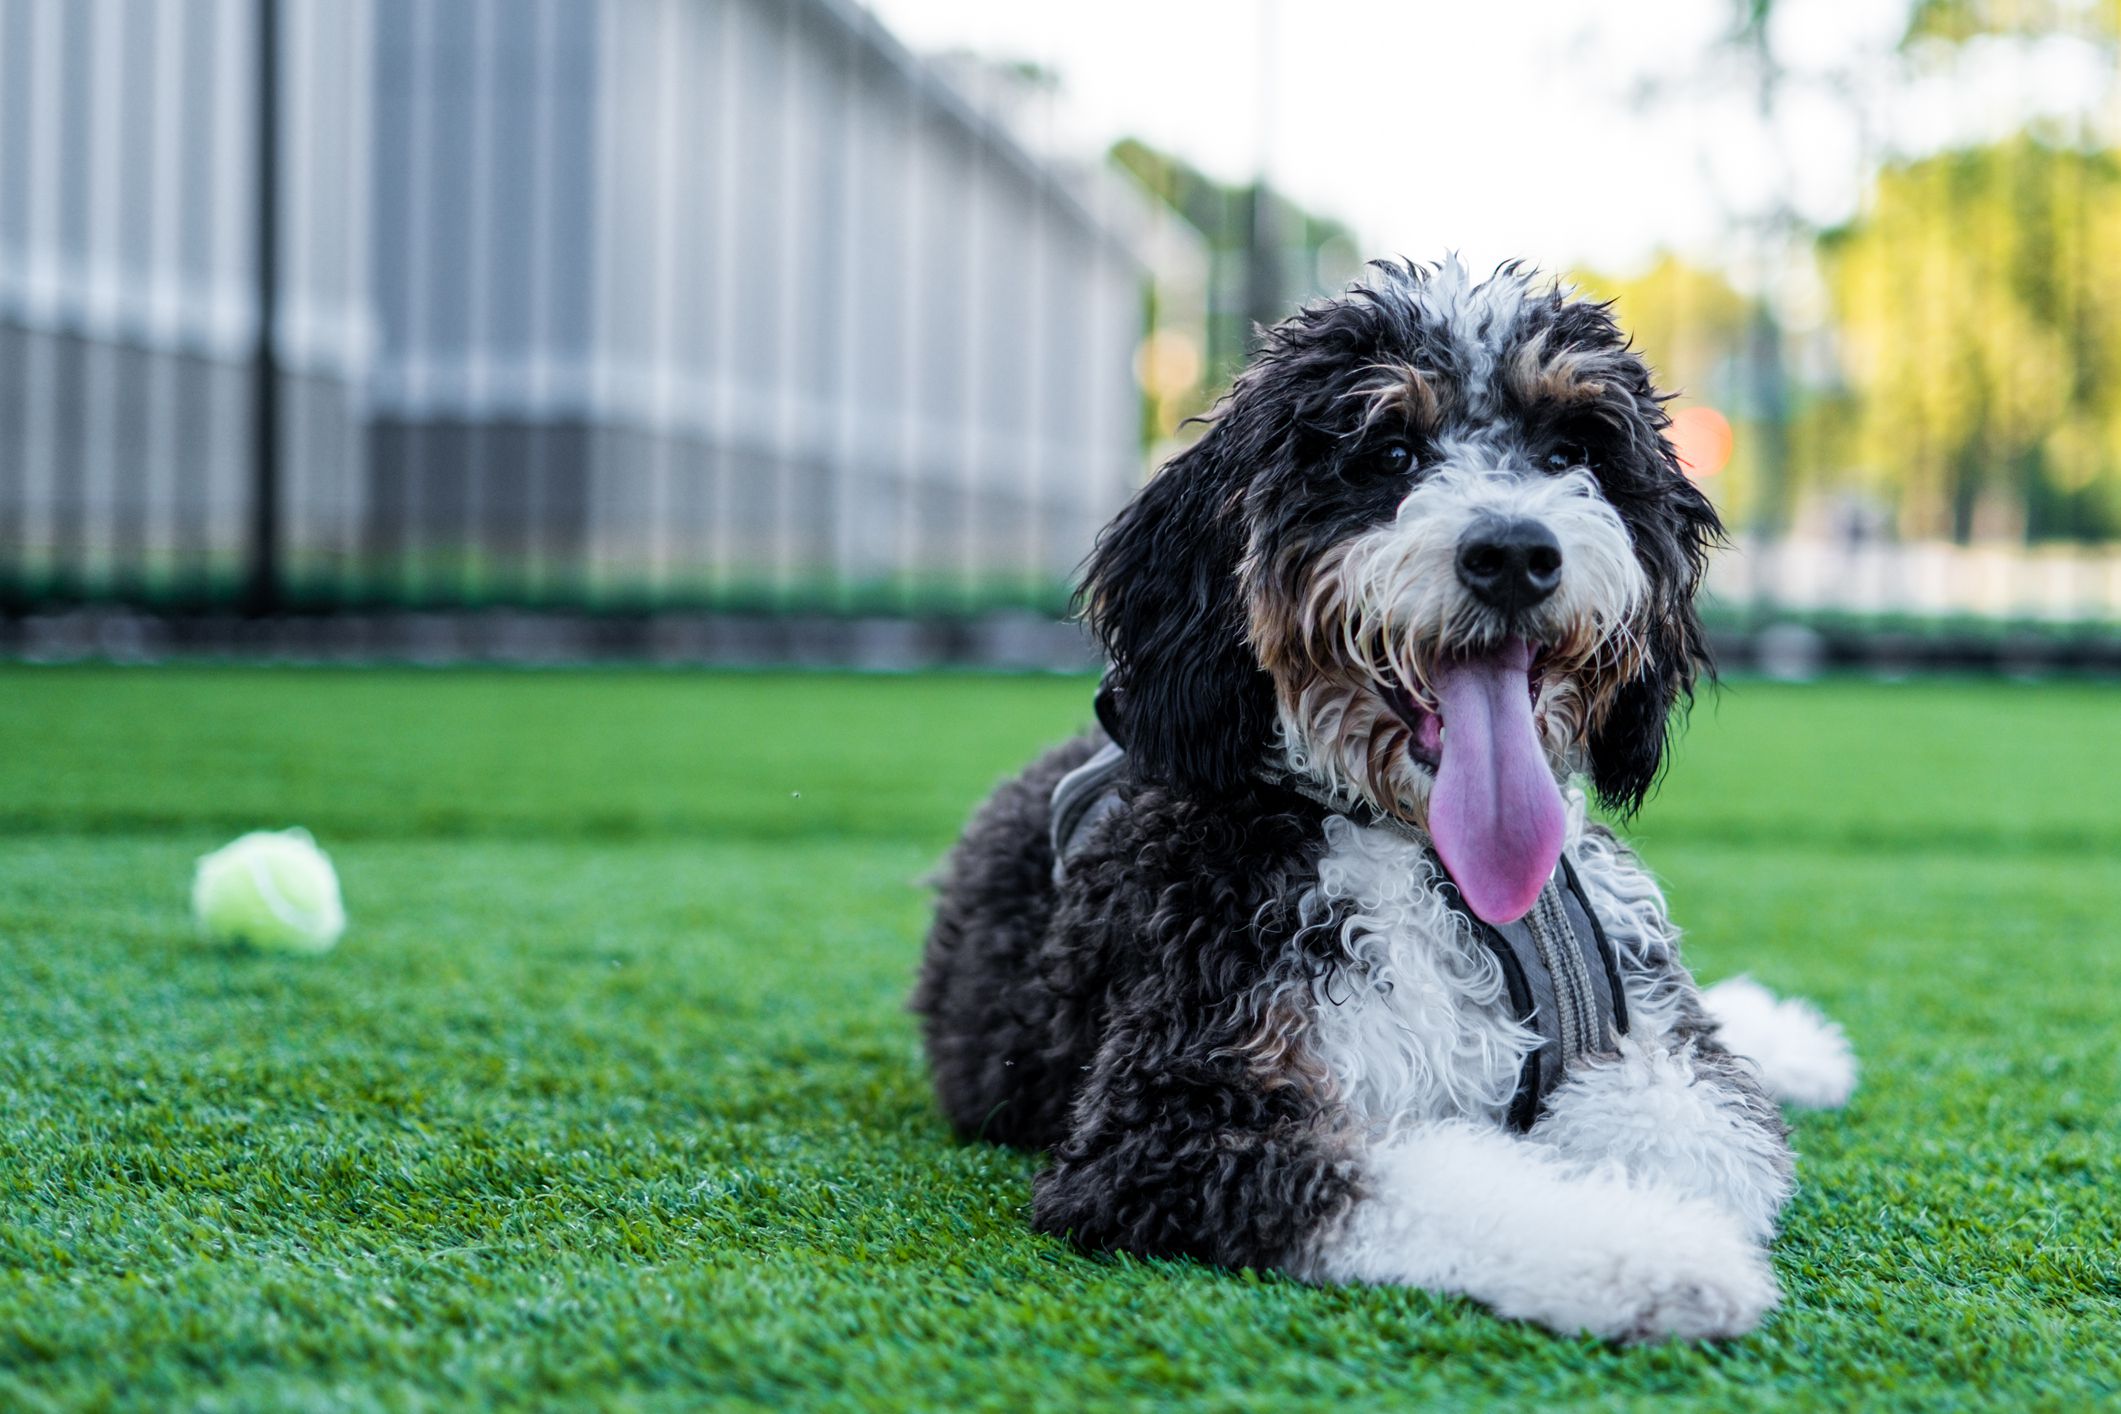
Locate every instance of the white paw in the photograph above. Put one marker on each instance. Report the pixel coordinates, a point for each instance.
(1694, 1296)
(1693, 1276)
(1804, 1059)
(1535, 1237)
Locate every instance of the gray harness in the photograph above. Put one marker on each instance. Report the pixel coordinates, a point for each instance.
(1561, 971)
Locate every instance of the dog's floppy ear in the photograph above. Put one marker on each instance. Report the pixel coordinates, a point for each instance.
(1627, 749)
(1674, 527)
(1161, 593)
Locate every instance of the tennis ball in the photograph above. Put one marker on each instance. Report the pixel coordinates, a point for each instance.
(271, 889)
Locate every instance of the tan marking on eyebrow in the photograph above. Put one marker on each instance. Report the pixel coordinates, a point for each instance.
(1563, 375)
(1413, 393)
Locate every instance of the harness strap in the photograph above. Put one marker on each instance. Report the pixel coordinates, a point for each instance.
(1082, 798)
(1564, 984)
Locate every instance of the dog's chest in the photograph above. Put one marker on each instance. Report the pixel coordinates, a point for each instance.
(1414, 1024)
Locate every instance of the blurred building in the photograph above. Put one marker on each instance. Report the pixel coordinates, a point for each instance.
(681, 300)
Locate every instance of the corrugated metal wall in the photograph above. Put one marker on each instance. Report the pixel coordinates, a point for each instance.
(646, 301)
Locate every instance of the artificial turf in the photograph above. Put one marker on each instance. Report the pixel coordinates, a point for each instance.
(608, 1097)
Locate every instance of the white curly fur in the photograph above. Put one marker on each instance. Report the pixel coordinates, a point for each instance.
(1416, 1026)
(1398, 580)
(1650, 1112)
(1481, 315)
(1627, 900)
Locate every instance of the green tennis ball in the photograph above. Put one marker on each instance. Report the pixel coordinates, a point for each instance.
(271, 889)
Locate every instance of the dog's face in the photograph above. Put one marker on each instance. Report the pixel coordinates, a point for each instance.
(1434, 553)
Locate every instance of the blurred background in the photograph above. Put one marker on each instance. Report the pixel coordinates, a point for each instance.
(798, 330)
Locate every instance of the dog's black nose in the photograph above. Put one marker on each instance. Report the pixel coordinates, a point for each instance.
(1509, 564)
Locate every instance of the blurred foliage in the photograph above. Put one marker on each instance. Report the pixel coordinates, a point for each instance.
(1960, 373)
(1266, 255)
(1970, 371)
(1979, 317)
(1957, 21)
(1681, 317)
(1693, 327)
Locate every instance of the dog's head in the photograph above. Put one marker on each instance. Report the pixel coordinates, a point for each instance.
(1435, 553)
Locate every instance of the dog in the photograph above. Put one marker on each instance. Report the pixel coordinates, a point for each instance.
(1336, 976)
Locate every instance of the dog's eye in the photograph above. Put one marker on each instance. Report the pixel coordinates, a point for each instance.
(1394, 458)
(1565, 458)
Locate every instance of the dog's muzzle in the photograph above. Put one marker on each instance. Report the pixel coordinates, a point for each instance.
(1510, 564)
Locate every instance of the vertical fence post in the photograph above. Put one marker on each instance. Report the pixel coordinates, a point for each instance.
(262, 589)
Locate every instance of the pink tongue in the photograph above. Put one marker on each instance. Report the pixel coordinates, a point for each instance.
(1496, 814)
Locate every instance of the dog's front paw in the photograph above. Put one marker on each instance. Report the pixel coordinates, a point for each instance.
(1537, 1238)
(1684, 1300)
(1692, 1273)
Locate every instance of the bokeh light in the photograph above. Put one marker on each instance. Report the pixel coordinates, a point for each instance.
(1702, 436)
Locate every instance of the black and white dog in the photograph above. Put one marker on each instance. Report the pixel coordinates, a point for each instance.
(1289, 998)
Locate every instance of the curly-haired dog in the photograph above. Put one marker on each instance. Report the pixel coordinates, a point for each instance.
(1333, 975)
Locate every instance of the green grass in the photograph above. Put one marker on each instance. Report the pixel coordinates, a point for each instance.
(608, 1097)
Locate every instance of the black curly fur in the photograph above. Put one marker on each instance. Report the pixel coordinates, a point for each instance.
(1006, 1044)
(1114, 1024)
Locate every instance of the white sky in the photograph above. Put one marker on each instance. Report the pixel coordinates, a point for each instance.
(1505, 129)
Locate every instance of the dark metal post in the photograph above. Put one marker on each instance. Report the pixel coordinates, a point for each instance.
(261, 590)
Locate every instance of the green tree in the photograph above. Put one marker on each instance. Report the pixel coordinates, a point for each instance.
(1979, 316)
